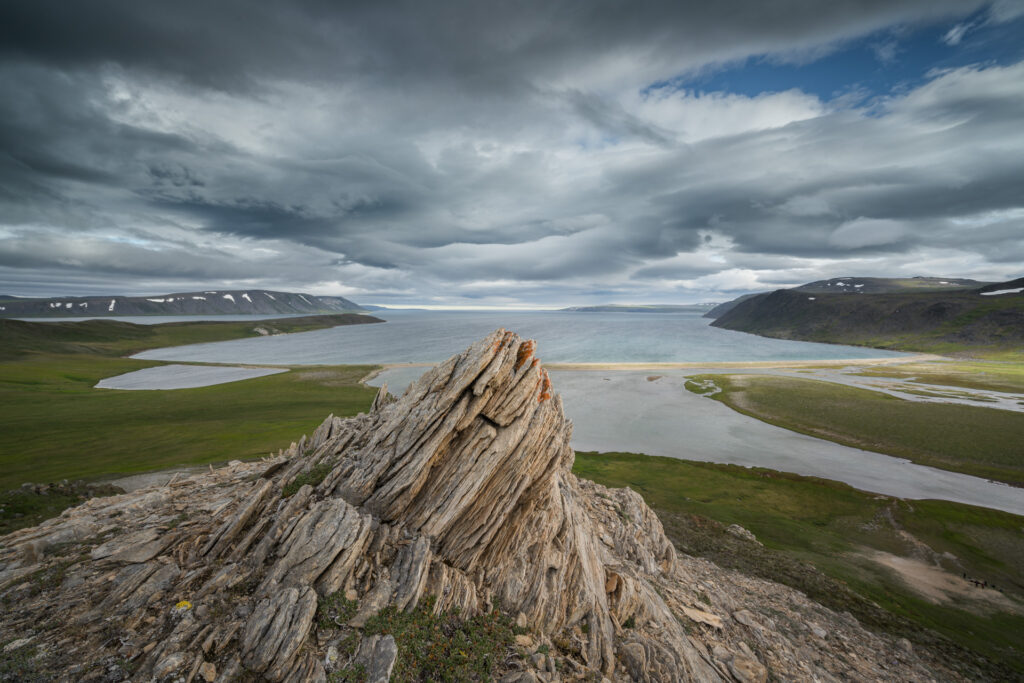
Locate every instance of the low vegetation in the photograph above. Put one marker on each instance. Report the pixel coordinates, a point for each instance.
(21, 338)
(446, 646)
(984, 442)
(29, 505)
(431, 646)
(1006, 376)
(948, 322)
(818, 536)
(58, 426)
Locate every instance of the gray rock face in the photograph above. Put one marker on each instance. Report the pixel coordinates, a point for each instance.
(377, 654)
(462, 490)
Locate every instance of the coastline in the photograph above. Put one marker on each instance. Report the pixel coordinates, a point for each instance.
(710, 365)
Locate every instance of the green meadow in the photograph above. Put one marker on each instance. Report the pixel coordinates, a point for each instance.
(984, 442)
(819, 537)
(56, 425)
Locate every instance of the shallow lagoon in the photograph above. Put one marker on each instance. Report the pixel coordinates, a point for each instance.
(562, 337)
(183, 377)
(626, 411)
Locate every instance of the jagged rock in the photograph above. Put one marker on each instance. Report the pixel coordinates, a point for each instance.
(208, 671)
(462, 490)
(377, 654)
(742, 532)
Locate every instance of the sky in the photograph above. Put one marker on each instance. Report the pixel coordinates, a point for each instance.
(540, 153)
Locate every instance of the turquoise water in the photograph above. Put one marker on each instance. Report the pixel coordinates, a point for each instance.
(562, 337)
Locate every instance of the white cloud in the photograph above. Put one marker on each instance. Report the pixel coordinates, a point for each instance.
(866, 232)
(954, 35)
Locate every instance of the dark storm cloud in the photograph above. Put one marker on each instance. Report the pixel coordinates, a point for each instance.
(401, 149)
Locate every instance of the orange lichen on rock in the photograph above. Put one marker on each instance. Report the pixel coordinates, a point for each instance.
(524, 353)
(545, 388)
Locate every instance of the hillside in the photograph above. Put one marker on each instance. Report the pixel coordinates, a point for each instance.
(888, 285)
(987, 318)
(720, 310)
(20, 338)
(441, 536)
(215, 302)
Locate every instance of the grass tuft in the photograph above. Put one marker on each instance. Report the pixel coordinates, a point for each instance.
(445, 647)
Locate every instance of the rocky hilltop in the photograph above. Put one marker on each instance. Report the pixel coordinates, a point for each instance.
(944, 316)
(458, 496)
(213, 302)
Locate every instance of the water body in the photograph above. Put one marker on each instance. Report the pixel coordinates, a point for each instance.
(183, 377)
(157, 319)
(624, 411)
(562, 337)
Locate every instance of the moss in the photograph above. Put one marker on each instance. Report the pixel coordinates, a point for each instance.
(313, 477)
(21, 665)
(334, 610)
(447, 646)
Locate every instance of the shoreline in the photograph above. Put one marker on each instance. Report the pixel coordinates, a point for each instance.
(725, 365)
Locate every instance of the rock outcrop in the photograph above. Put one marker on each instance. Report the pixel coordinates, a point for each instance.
(460, 490)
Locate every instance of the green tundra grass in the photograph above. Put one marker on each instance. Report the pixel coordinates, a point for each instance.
(817, 536)
(984, 442)
(56, 425)
(1003, 376)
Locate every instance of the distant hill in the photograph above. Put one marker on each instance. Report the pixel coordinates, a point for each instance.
(211, 302)
(721, 309)
(641, 308)
(879, 285)
(928, 317)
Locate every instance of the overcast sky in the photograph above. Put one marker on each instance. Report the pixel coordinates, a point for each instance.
(540, 153)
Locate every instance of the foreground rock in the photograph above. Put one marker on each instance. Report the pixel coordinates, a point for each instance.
(460, 496)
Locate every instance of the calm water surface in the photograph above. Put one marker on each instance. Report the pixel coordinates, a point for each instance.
(562, 337)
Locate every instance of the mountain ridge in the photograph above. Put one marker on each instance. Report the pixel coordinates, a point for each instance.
(962, 318)
(206, 302)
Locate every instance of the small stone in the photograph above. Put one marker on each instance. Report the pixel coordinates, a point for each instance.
(746, 669)
(20, 642)
(817, 630)
(634, 656)
(208, 671)
(351, 595)
(746, 618)
(521, 620)
(524, 640)
(703, 617)
(331, 658)
(168, 664)
(740, 532)
(537, 660)
(520, 677)
(905, 645)
(378, 655)
(721, 653)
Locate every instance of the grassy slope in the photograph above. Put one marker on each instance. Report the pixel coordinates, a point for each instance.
(984, 442)
(950, 322)
(20, 338)
(805, 521)
(57, 426)
(995, 376)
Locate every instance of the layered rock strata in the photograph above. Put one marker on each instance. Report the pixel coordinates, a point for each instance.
(462, 490)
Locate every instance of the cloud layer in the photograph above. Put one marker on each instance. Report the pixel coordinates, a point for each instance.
(489, 154)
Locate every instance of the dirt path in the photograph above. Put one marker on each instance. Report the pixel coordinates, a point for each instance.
(939, 586)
